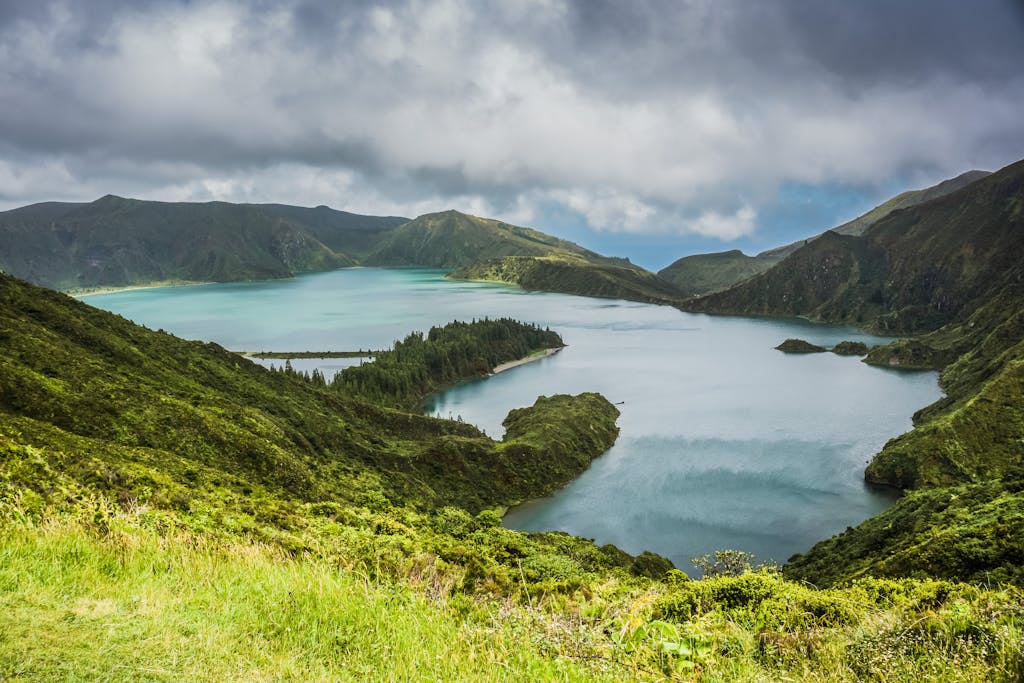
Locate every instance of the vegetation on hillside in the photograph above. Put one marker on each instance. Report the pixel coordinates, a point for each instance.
(116, 242)
(572, 275)
(111, 401)
(138, 593)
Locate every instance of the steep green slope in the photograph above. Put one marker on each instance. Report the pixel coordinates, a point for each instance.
(970, 532)
(908, 199)
(572, 275)
(115, 241)
(451, 240)
(706, 273)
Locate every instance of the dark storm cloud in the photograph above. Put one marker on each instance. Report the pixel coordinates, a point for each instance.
(856, 43)
(682, 116)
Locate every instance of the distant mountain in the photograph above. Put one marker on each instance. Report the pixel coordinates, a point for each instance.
(489, 250)
(707, 273)
(573, 275)
(347, 233)
(115, 241)
(911, 272)
(451, 239)
(703, 273)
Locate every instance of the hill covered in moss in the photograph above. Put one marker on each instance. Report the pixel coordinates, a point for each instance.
(88, 384)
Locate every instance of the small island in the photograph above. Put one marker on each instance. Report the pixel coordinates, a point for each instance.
(799, 346)
(850, 348)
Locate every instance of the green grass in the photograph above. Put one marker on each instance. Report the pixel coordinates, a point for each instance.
(132, 605)
(120, 595)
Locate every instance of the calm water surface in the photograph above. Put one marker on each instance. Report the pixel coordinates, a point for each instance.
(725, 442)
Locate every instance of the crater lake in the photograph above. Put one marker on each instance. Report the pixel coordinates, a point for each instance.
(725, 442)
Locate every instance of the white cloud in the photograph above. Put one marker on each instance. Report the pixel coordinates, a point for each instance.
(723, 226)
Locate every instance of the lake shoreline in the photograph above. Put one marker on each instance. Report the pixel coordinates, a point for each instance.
(726, 443)
(546, 353)
(80, 293)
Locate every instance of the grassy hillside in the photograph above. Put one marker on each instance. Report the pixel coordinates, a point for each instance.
(90, 384)
(572, 275)
(706, 273)
(169, 511)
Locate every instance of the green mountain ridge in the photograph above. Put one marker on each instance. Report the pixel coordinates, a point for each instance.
(707, 273)
(119, 242)
(912, 272)
(116, 242)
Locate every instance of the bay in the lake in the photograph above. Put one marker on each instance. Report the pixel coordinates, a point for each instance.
(725, 442)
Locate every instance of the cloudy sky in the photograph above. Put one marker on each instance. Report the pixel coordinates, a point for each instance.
(643, 129)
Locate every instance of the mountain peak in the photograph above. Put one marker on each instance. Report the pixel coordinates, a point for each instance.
(111, 199)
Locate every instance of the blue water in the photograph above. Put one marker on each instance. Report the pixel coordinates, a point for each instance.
(724, 443)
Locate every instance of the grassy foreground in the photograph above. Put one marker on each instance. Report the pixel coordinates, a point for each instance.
(112, 594)
(132, 605)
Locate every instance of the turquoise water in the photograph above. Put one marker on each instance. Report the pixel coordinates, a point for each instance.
(725, 442)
